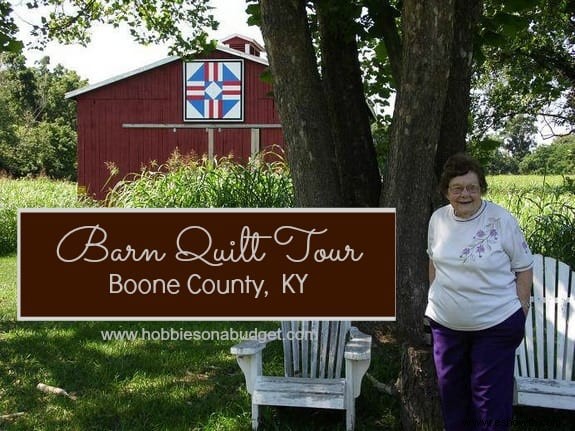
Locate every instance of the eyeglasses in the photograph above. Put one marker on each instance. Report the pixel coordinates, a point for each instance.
(457, 189)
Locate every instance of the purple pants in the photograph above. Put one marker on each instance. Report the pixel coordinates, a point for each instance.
(475, 374)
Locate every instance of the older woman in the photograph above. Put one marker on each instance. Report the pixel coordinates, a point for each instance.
(480, 282)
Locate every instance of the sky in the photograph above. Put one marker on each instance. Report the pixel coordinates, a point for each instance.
(112, 51)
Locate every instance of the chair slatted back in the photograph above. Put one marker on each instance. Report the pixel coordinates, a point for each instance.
(314, 348)
(548, 349)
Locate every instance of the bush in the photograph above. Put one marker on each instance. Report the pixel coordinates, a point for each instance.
(47, 148)
(192, 182)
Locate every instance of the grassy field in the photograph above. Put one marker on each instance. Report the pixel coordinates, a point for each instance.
(7, 288)
(545, 209)
(183, 385)
(524, 181)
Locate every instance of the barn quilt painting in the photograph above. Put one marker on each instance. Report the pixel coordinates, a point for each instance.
(214, 90)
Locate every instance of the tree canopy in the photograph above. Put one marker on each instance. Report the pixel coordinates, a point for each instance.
(183, 24)
(526, 65)
(557, 158)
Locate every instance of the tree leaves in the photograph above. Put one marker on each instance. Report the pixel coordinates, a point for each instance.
(8, 30)
(37, 124)
(525, 63)
(518, 5)
(183, 24)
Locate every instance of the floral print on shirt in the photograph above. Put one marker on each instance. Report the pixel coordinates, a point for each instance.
(482, 240)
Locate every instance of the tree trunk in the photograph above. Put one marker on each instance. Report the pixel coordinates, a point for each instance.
(417, 120)
(326, 131)
(417, 378)
(455, 117)
(329, 143)
(346, 105)
(428, 36)
(301, 103)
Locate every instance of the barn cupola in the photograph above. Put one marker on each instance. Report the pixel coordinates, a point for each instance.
(243, 44)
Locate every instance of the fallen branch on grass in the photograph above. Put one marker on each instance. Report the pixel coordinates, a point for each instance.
(11, 416)
(382, 387)
(54, 390)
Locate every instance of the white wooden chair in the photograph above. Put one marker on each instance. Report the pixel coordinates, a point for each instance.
(544, 368)
(314, 354)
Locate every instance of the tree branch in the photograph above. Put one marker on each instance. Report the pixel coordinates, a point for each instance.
(382, 387)
(392, 39)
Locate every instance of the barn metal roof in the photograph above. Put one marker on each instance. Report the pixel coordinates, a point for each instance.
(221, 48)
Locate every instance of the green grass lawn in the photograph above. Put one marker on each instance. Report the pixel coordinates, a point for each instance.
(149, 385)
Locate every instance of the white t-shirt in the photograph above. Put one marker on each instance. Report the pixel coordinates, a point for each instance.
(475, 263)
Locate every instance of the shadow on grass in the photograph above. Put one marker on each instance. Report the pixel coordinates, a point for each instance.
(149, 385)
(119, 385)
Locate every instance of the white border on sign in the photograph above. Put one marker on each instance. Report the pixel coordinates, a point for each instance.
(205, 211)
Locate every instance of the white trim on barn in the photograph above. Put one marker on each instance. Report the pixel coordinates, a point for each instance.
(255, 133)
(156, 64)
(199, 126)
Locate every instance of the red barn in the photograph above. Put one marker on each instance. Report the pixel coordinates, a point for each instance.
(214, 105)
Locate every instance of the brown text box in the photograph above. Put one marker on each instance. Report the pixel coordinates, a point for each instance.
(109, 264)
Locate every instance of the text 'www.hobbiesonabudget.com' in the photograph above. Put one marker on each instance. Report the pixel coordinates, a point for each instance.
(180, 334)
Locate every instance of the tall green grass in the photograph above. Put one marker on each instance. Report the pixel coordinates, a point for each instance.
(545, 209)
(193, 182)
(7, 287)
(31, 193)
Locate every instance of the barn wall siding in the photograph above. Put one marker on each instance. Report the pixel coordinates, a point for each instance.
(156, 97)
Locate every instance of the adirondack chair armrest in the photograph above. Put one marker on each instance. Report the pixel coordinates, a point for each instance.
(357, 355)
(248, 353)
(359, 345)
(247, 348)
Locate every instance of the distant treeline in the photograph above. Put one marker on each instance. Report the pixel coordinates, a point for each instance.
(37, 122)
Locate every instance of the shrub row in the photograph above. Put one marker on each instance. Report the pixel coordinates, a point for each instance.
(183, 182)
(194, 182)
